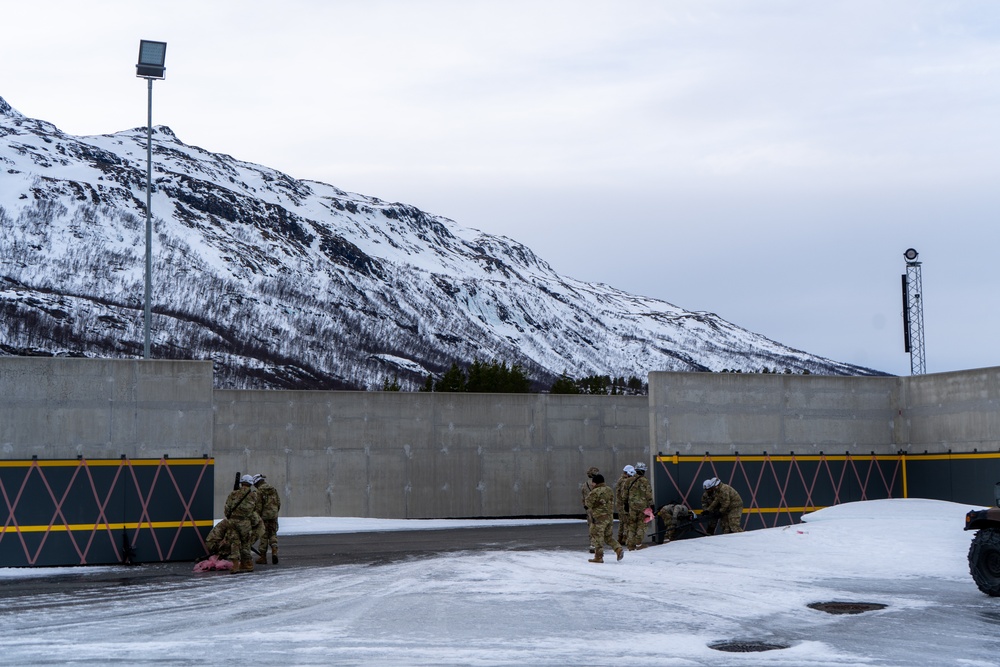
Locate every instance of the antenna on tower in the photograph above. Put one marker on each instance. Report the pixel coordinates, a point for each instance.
(913, 314)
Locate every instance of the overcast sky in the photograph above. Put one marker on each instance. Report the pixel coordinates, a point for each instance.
(768, 161)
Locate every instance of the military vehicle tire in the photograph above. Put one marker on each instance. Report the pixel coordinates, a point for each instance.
(984, 560)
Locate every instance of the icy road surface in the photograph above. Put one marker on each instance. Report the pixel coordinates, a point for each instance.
(664, 605)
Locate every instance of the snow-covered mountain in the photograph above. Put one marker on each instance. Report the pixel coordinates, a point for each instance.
(295, 283)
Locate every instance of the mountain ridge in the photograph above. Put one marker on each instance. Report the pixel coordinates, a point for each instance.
(293, 283)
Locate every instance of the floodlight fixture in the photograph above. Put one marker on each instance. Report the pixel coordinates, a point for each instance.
(910, 255)
(152, 55)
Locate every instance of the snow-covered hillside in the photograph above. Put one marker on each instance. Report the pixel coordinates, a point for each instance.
(294, 283)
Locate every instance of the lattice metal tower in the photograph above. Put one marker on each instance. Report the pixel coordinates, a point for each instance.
(913, 314)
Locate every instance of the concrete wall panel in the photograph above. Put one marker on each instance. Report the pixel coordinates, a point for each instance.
(99, 408)
(694, 413)
(392, 454)
(431, 455)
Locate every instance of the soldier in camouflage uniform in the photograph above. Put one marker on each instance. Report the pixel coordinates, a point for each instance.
(601, 505)
(240, 512)
(723, 504)
(639, 495)
(215, 542)
(585, 490)
(268, 504)
(672, 516)
(628, 472)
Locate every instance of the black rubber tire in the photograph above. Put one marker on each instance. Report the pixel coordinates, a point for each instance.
(984, 560)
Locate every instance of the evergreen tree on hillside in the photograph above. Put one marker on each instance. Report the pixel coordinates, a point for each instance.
(452, 380)
(564, 384)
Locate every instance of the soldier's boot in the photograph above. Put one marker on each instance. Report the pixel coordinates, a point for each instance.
(620, 553)
(274, 555)
(236, 566)
(262, 558)
(598, 556)
(247, 565)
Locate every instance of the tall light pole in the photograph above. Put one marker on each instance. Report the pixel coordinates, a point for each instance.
(913, 313)
(152, 55)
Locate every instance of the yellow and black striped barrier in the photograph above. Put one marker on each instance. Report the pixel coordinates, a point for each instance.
(778, 489)
(104, 511)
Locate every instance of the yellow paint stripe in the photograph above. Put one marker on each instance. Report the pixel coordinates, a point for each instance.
(906, 490)
(778, 457)
(951, 457)
(756, 458)
(72, 463)
(107, 526)
(781, 510)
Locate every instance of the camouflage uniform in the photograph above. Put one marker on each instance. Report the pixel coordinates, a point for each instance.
(216, 542)
(672, 516)
(640, 496)
(240, 511)
(268, 504)
(620, 502)
(601, 503)
(725, 506)
(585, 490)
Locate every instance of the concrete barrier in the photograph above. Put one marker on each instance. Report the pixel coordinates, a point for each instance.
(426, 455)
(729, 413)
(62, 408)
(421, 455)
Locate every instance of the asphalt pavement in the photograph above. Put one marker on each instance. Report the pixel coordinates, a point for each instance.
(321, 550)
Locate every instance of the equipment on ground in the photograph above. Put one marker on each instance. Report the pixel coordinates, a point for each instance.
(685, 529)
(984, 552)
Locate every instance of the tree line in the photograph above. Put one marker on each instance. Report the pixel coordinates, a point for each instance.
(497, 377)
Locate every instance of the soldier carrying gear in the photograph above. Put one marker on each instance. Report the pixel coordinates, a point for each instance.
(638, 496)
(601, 503)
(723, 505)
(240, 512)
(628, 472)
(585, 490)
(268, 504)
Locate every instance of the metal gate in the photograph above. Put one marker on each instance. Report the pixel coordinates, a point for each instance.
(778, 490)
(104, 511)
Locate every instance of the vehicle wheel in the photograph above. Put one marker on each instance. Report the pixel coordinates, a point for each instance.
(984, 560)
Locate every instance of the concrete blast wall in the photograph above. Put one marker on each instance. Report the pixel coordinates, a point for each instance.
(728, 413)
(425, 455)
(944, 412)
(104, 408)
(722, 413)
(391, 454)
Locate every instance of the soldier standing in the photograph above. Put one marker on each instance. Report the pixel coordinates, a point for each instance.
(585, 490)
(723, 504)
(640, 496)
(268, 504)
(240, 511)
(601, 504)
(628, 472)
